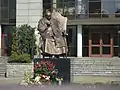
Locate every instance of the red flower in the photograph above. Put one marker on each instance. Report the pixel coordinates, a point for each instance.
(47, 62)
(50, 69)
(54, 72)
(35, 69)
(43, 65)
(42, 62)
(37, 65)
(54, 65)
(50, 64)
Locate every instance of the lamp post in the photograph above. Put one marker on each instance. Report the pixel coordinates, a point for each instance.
(119, 43)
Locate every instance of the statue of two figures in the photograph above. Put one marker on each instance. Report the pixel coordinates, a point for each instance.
(52, 30)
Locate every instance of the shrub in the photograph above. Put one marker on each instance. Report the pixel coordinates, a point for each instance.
(23, 44)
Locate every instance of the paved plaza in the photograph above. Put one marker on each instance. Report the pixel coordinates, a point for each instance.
(67, 87)
(13, 84)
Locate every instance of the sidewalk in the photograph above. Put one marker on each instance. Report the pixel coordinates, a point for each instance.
(94, 79)
(10, 80)
(77, 79)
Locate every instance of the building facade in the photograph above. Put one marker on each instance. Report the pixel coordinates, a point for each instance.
(15, 13)
(93, 25)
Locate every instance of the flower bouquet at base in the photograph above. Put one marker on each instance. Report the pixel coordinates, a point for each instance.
(46, 72)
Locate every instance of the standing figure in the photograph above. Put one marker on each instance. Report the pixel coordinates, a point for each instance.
(53, 41)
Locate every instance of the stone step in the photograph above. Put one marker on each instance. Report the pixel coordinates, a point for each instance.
(95, 71)
(79, 60)
(95, 66)
(99, 67)
(108, 72)
(2, 69)
(3, 59)
(95, 59)
(96, 63)
(87, 69)
(94, 74)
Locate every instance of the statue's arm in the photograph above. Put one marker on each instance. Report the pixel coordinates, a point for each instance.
(42, 27)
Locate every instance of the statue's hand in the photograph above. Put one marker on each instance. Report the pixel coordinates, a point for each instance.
(49, 29)
(48, 24)
(64, 34)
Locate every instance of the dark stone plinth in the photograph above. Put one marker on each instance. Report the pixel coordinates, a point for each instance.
(63, 66)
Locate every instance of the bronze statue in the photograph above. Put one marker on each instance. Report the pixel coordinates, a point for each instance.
(52, 29)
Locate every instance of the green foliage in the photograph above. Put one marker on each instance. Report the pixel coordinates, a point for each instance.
(22, 58)
(27, 77)
(23, 44)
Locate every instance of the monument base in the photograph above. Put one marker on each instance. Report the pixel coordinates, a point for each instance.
(63, 66)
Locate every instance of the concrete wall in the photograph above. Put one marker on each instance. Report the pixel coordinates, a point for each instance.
(18, 70)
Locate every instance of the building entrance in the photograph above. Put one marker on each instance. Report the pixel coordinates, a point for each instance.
(100, 40)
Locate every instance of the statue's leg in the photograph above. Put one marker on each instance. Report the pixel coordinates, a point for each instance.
(43, 56)
(57, 56)
(47, 55)
(63, 55)
(50, 56)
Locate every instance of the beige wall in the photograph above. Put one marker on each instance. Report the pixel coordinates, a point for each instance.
(28, 12)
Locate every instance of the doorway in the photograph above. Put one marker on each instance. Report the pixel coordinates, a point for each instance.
(6, 39)
(100, 40)
(100, 43)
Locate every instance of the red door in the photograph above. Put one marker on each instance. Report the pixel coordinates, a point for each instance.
(2, 45)
(6, 44)
(100, 44)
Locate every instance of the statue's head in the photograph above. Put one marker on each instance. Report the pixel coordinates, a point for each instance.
(48, 15)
